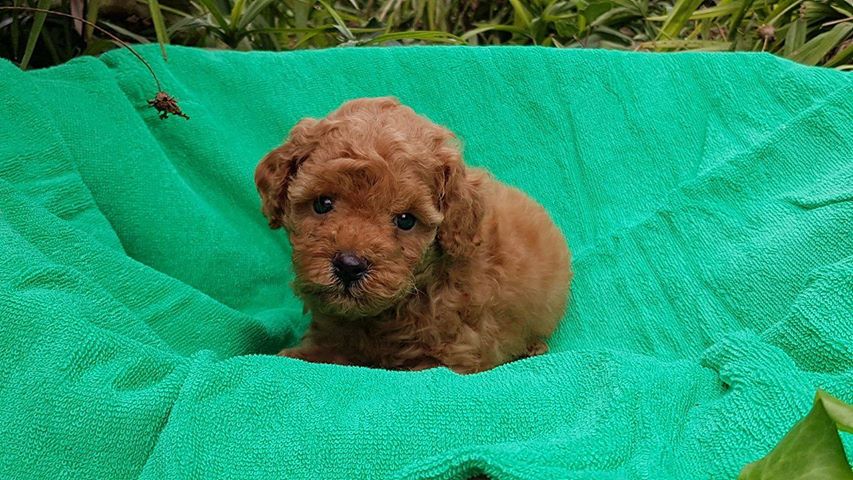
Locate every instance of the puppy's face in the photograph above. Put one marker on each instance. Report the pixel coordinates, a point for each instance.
(363, 195)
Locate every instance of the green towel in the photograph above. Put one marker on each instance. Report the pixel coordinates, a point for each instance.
(708, 200)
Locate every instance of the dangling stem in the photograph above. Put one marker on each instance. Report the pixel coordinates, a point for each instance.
(121, 42)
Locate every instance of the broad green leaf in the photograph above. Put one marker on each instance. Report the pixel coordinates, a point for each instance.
(567, 29)
(35, 32)
(159, 26)
(840, 412)
(812, 449)
(842, 56)
(678, 18)
(815, 49)
(796, 36)
(301, 9)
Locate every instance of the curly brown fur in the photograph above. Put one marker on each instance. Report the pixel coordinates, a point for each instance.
(480, 280)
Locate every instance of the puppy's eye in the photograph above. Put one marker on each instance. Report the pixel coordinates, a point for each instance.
(323, 205)
(405, 221)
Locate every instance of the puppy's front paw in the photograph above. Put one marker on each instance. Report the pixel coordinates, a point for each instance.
(294, 352)
(537, 347)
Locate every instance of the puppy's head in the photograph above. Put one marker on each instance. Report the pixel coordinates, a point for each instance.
(371, 196)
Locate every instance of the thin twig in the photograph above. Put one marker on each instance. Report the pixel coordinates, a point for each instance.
(834, 22)
(105, 32)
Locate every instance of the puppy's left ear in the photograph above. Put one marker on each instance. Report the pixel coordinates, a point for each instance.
(459, 200)
(277, 169)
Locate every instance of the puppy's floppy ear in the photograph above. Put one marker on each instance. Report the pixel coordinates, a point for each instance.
(459, 200)
(277, 169)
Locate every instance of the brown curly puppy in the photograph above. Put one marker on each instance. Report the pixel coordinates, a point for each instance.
(406, 258)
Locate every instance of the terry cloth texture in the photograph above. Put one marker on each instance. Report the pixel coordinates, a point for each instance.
(708, 200)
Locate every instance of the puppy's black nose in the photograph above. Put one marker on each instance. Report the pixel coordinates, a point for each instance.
(349, 267)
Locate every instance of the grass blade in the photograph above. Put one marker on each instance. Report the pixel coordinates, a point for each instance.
(127, 33)
(522, 16)
(493, 27)
(700, 45)
(159, 26)
(35, 32)
(15, 32)
(339, 22)
(717, 11)
(815, 49)
(252, 12)
(216, 13)
(92, 16)
(678, 18)
(796, 37)
(434, 36)
(236, 11)
(842, 56)
(738, 18)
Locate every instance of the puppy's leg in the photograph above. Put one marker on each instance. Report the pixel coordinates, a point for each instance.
(536, 347)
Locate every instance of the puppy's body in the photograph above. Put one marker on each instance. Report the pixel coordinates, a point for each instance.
(481, 279)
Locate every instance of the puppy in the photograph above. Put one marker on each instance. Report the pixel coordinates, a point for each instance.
(406, 258)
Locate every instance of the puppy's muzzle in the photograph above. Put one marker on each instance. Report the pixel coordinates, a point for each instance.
(349, 268)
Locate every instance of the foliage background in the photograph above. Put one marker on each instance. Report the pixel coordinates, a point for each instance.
(813, 32)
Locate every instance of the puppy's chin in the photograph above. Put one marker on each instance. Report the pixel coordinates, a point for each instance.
(337, 301)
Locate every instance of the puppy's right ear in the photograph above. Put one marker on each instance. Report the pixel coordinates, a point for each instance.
(278, 168)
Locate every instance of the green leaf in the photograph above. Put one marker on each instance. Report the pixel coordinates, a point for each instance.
(815, 49)
(843, 55)
(678, 18)
(566, 29)
(35, 32)
(737, 18)
(252, 12)
(98, 46)
(218, 16)
(434, 36)
(522, 16)
(159, 26)
(125, 32)
(15, 31)
(301, 9)
(340, 25)
(236, 10)
(704, 45)
(490, 27)
(780, 9)
(796, 36)
(712, 12)
(812, 449)
(92, 16)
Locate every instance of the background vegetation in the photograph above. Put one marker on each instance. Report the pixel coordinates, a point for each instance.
(813, 32)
